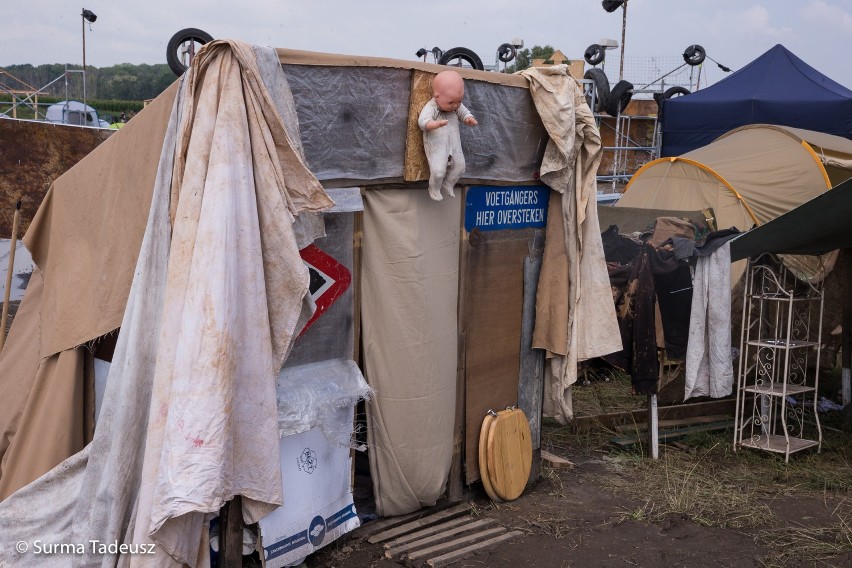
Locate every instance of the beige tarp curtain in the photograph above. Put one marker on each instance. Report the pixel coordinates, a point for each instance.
(85, 240)
(410, 337)
(575, 314)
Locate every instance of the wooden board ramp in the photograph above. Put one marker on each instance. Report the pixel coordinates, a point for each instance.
(422, 522)
(440, 538)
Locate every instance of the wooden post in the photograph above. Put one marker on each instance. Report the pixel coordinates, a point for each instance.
(653, 428)
(455, 483)
(231, 533)
(12, 244)
(846, 337)
(531, 379)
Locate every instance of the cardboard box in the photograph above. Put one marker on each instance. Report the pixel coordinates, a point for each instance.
(318, 506)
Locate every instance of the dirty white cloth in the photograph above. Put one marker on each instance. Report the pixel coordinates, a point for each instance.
(189, 417)
(574, 286)
(709, 364)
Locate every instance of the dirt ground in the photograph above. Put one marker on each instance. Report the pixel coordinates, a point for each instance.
(701, 504)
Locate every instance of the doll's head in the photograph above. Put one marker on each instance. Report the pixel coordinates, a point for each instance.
(448, 90)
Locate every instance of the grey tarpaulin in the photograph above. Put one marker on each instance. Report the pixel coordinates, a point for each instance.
(353, 123)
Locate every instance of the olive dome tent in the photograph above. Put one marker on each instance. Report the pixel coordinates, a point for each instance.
(748, 176)
(775, 88)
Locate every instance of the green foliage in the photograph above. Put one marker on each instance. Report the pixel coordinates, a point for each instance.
(125, 82)
(526, 55)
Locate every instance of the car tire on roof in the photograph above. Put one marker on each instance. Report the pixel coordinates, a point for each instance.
(694, 55)
(619, 98)
(594, 54)
(461, 54)
(173, 57)
(600, 86)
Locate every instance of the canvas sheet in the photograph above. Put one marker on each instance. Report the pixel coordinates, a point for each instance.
(84, 240)
(194, 425)
(575, 315)
(410, 339)
(47, 403)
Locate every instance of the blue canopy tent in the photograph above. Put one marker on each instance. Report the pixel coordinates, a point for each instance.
(776, 88)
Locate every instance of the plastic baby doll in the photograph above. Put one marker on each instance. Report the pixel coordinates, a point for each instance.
(439, 121)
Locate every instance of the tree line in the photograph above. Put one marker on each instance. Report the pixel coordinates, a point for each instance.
(124, 81)
(128, 82)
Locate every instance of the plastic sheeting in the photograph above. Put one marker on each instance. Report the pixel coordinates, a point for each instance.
(354, 123)
(308, 394)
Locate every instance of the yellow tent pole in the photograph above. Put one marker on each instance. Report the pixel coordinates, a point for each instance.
(725, 182)
(820, 165)
(645, 167)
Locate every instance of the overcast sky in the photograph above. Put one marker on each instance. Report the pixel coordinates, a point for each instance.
(732, 31)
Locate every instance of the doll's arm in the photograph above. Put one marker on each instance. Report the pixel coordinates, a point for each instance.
(426, 120)
(466, 116)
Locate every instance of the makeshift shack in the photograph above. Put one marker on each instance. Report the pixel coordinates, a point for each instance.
(776, 88)
(188, 235)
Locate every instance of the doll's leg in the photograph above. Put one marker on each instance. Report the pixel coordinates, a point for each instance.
(437, 173)
(455, 169)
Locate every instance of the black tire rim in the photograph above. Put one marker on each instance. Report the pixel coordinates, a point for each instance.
(594, 54)
(694, 55)
(506, 52)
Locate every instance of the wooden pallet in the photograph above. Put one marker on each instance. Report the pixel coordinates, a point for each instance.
(438, 537)
(665, 435)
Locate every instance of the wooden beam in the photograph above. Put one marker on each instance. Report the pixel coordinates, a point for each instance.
(423, 522)
(675, 411)
(386, 523)
(641, 426)
(455, 481)
(468, 551)
(442, 532)
(846, 334)
(626, 441)
(531, 372)
(231, 533)
(455, 543)
(555, 462)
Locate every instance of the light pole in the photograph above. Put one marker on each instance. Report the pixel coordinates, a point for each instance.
(88, 16)
(612, 6)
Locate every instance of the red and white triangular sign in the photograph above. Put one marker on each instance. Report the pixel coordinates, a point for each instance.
(329, 280)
